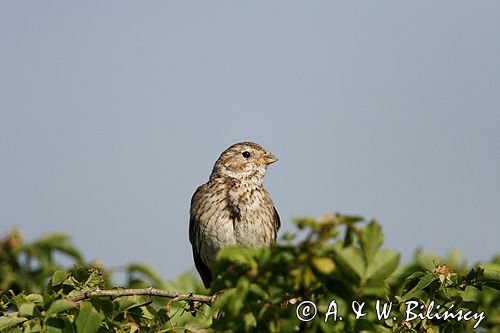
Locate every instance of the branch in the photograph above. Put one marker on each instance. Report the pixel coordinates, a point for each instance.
(175, 296)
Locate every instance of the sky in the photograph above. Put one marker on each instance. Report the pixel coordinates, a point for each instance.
(113, 113)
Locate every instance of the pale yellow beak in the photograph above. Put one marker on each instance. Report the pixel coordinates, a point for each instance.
(267, 159)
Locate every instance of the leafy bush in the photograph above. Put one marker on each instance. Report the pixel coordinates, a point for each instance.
(338, 264)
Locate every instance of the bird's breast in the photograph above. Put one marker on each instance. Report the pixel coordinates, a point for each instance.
(254, 226)
(236, 215)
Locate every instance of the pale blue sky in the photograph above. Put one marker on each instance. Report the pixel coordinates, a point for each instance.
(112, 113)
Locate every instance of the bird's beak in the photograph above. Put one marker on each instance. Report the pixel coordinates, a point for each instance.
(268, 158)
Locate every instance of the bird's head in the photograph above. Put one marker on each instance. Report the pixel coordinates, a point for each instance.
(243, 161)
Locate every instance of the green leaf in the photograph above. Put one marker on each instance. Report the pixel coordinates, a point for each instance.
(60, 242)
(375, 289)
(383, 264)
(88, 320)
(250, 321)
(26, 310)
(349, 261)
(349, 235)
(9, 322)
(324, 265)
(230, 299)
(257, 290)
(370, 239)
(303, 222)
(129, 302)
(147, 271)
(36, 299)
(492, 278)
(243, 255)
(60, 305)
(58, 277)
(194, 328)
(363, 325)
(308, 277)
(53, 239)
(143, 312)
(424, 282)
(59, 325)
(103, 305)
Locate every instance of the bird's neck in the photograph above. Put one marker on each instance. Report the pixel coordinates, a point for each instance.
(252, 181)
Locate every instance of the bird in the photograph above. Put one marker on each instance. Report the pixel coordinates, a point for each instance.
(233, 207)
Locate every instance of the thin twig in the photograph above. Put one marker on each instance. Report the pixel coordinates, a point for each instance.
(145, 291)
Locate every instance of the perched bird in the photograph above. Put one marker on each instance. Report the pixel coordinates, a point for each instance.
(232, 208)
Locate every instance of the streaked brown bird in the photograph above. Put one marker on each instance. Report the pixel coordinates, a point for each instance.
(232, 208)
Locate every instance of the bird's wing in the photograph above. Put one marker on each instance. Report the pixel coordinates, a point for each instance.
(194, 238)
(205, 273)
(277, 222)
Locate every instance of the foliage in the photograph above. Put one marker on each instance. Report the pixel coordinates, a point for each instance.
(338, 258)
(34, 291)
(262, 286)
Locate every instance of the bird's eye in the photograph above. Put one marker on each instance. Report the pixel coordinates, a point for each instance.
(245, 154)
